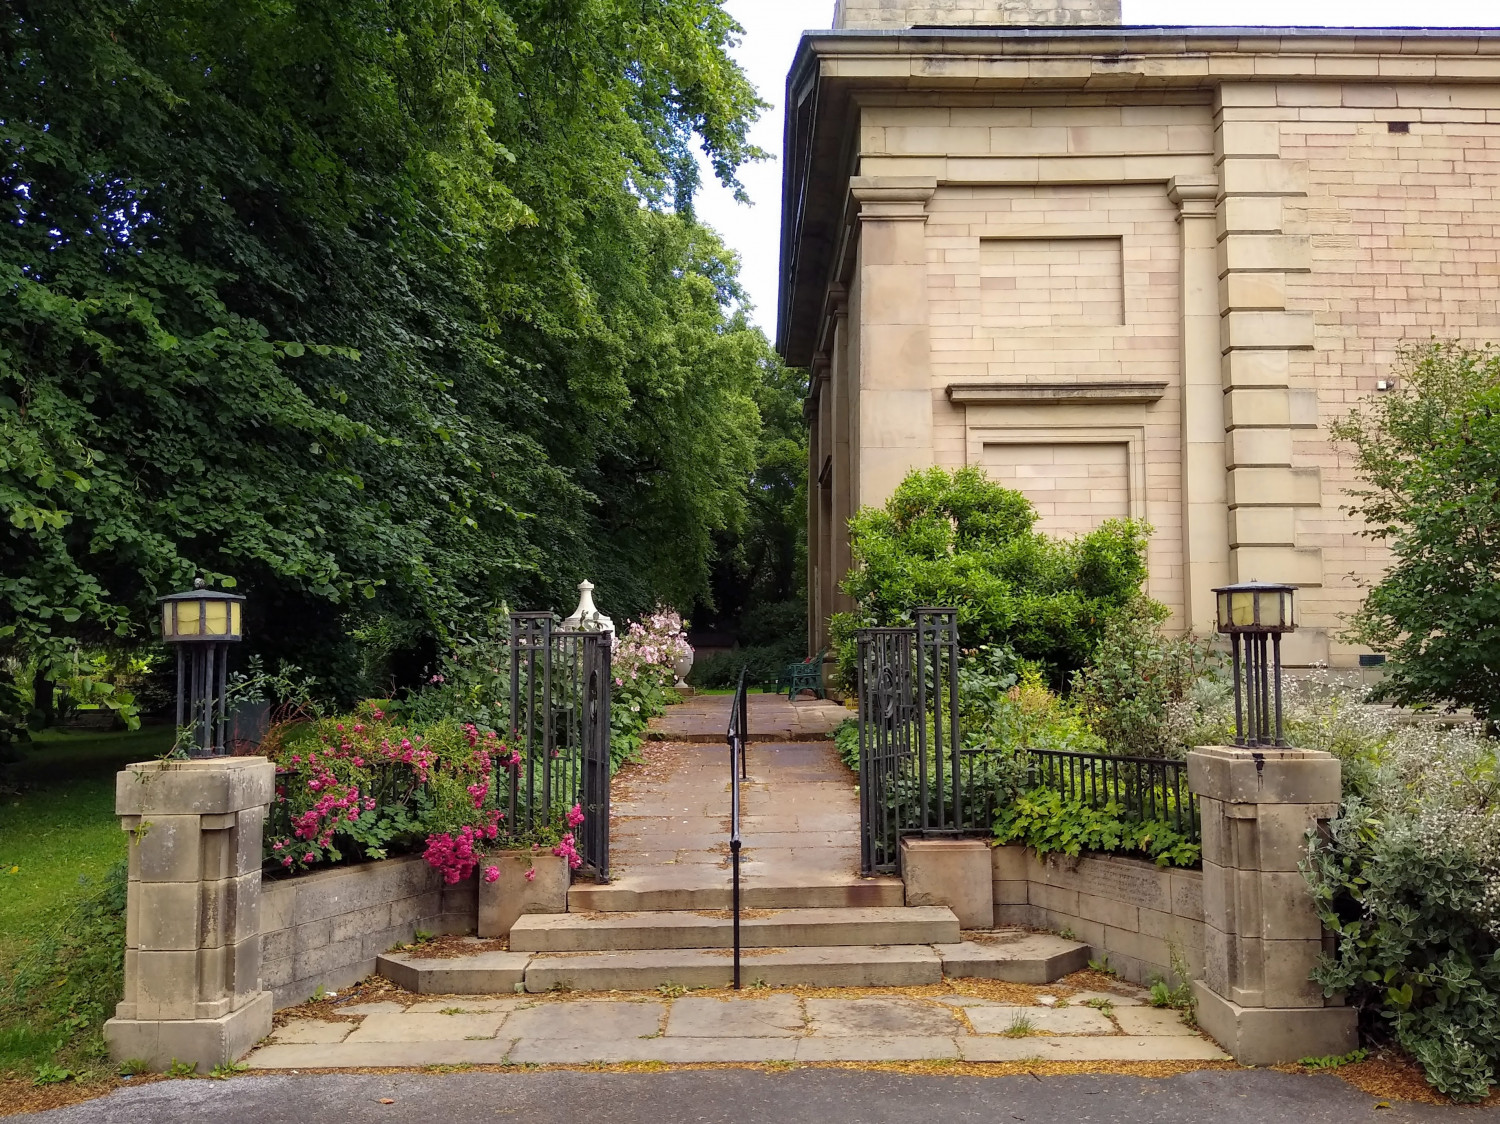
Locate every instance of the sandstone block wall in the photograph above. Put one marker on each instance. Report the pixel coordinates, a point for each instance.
(327, 928)
(882, 14)
(1129, 910)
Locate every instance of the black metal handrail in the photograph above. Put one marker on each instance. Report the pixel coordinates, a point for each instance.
(1146, 788)
(739, 725)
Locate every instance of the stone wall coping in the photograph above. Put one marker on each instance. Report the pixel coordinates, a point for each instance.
(1266, 775)
(201, 786)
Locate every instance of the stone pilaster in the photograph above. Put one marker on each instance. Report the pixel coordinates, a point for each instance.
(895, 346)
(814, 513)
(822, 485)
(1259, 335)
(1262, 934)
(1205, 513)
(841, 386)
(192, 924)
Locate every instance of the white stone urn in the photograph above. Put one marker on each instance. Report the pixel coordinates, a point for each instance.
(587, 618)
(682, 666)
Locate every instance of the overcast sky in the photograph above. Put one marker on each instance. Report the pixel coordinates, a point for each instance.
(772, 28)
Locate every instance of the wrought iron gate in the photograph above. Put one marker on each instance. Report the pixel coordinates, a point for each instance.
(914, 774)
(560, 686)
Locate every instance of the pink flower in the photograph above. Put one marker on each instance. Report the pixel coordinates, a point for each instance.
(309, 857)
(377, 714)
(491, 873)
(531, 875)
(575, 816)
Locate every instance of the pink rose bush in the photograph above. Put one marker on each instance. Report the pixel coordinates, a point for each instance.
(642, 661)
(365, 787)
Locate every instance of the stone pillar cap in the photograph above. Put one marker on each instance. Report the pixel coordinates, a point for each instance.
(199, 787)
(1264, 775)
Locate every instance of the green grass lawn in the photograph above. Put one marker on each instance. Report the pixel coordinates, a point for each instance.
(60, 832)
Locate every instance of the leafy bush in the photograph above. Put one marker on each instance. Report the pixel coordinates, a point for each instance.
(644, 660)
(1139, 691)
(846, 742)
(1045, 821)
(1408, 879)
(1429, 454)
(763, 665)
(959, 539)
(54, 1002)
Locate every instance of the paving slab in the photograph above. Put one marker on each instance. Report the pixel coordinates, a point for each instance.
(381, 1055)
(1047, 1020)
(372, 1009)
(1151, 1020)
(426, 1027)
(877, 1048)
(471, 1004)
(683, 1051)
(310, 1031)
(584, 1019)
(1084, 1048)
(771, 1016)
(880, 1017)
(1113, 998)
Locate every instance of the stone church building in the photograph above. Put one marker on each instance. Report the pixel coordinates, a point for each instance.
(1129, 271)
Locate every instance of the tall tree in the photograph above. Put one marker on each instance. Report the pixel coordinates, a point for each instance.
(387, 310)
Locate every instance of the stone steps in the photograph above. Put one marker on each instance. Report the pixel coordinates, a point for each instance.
(1016, 956)
(678, 929)
(639, 895)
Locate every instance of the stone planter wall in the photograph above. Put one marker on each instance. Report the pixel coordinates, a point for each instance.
(1129, 910)
(326, 929)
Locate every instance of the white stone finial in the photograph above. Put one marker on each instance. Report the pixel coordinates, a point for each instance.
(587, 618)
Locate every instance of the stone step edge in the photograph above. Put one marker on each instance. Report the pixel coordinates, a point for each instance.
(834, 895)
(797, 927)
(501, 972)
(774, 738)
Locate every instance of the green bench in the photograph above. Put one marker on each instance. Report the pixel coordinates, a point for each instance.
(804, 676)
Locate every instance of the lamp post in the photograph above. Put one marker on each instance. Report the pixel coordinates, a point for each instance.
(1255, 615)
(201, 624)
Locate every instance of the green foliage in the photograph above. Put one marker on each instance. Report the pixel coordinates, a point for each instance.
(385, 310)
(959, 539)
(1334, 1061)
(1407, 878)
(1429, 456)
(846, 742)
(1137, 692)
(1046, 822)
(54, 1000)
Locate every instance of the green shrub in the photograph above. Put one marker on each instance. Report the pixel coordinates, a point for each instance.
(1046, 822)
(959, 539)
(1429, 456)
(1138, 692)
(54, 1001)
(846, 741)
(1408, 879)
(764, 665)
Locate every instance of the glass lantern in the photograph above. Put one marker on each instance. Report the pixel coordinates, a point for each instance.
(1255, 616)
(201, 624)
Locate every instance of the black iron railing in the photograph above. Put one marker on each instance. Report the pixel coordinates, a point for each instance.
(560, 689)
(1144, 788)
(739, 728)
(915, 775)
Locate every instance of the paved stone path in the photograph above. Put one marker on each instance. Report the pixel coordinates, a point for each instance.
(760, 1026)
(740, 1096)
(799, 817)
(773, 718)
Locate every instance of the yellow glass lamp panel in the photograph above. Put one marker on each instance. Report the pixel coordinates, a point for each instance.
(234, 618)
(1242, 609)
(216, 618)
(168, 624)
(188, 618)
